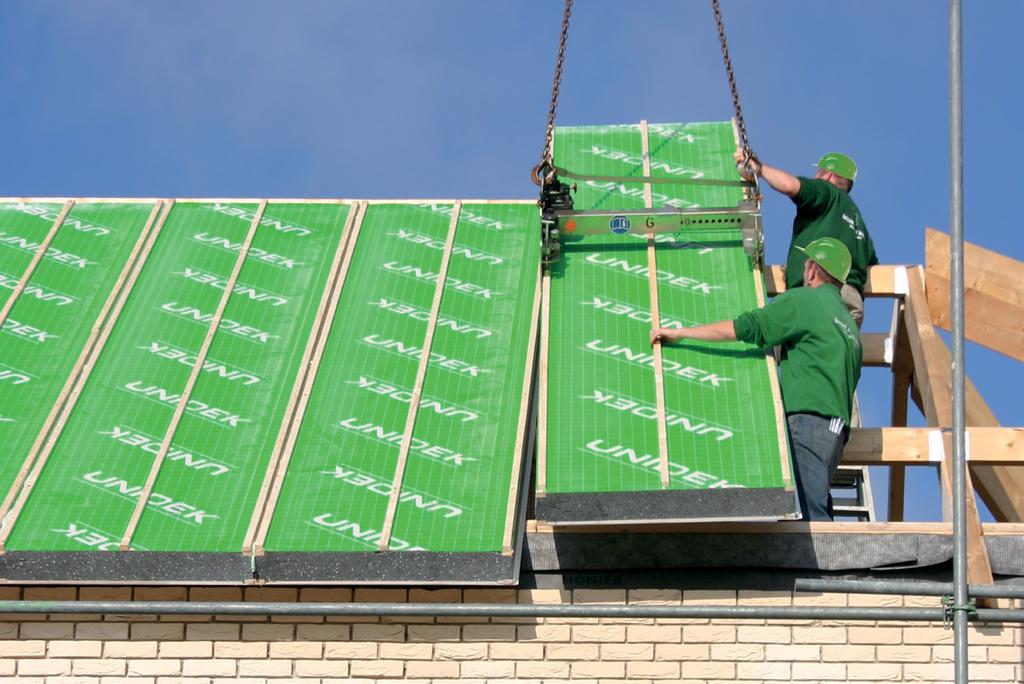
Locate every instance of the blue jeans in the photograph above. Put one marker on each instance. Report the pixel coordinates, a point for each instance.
(817, 445)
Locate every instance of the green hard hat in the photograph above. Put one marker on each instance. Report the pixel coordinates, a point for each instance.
(839, 164)
(831, 254)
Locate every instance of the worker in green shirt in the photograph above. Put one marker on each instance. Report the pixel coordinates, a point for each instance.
(824, 209)
(819, 366)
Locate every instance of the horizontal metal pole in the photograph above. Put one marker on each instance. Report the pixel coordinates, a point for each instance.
(496, 610)
(997, 615)
(906, 587)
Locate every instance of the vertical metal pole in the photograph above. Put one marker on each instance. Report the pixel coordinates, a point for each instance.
(956, 149)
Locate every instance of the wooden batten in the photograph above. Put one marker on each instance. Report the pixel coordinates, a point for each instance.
(656, 351)
(40, 252)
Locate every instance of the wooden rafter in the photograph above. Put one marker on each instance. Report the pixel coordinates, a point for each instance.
(993, 294)
(931, 376)
(1000, 487)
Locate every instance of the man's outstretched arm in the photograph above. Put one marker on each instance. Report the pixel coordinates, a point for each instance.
(722, 331)
(777, 179)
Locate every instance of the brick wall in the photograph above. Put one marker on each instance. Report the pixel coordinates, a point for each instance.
(169, 649)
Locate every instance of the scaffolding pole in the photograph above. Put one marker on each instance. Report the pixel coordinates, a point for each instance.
(960, 605)
(497, 610)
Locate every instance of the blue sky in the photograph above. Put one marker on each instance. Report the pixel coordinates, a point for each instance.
(330, 98)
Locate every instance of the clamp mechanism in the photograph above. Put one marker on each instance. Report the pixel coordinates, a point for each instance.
(554, 201)
(949, 609)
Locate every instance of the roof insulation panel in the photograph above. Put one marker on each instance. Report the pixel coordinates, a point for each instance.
(726, 442)
(461, 479)
(274, 444)
(53, 318)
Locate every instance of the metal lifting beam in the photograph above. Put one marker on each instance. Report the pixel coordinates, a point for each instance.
(746, 217)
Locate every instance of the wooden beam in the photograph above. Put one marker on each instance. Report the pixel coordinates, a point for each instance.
(932, 375)
(873, 346)
(993, 294)
(883, 281)
(1000, 487)
(931, 378)
(916, 446)
(902, 370)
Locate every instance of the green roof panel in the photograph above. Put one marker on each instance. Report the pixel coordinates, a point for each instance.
(459, 475)
(726, 447)
(51, 322)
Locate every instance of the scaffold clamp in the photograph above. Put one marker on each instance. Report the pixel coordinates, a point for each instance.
(950, 607)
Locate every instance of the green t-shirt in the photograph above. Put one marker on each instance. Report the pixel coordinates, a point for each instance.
(821, 352)
(823, 210)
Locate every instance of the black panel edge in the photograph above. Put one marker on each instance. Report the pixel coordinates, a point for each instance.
(393, 567)
(638, 551)
(147, 567)
(667, 506)
(699, 579)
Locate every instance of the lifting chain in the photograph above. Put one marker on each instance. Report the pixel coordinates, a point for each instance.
(546, 166)
(744, 142)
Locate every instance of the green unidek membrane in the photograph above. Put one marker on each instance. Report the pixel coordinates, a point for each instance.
(51, 321)
(457, 479)
(722, 428)
(677, 151)
(204, 495)
(248, 380)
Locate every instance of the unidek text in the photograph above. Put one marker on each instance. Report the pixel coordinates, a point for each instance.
(669, 367)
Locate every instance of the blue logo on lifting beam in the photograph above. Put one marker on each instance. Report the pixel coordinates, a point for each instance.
(619, 225)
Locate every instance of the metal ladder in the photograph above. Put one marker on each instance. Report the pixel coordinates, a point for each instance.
(851, 494)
